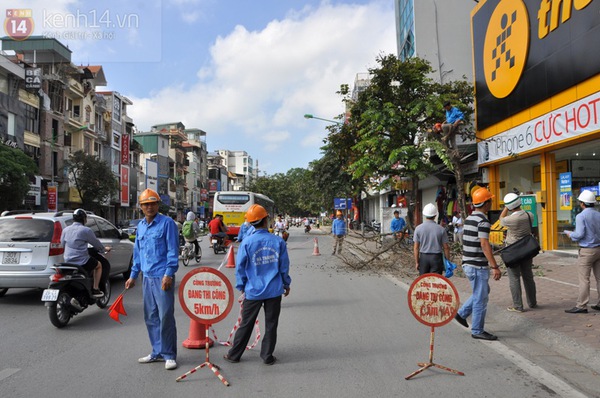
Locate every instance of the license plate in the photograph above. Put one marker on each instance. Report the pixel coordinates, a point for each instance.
(11, 258)
(214, 241)
(50, 295)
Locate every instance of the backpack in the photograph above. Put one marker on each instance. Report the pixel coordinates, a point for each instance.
(188, 230)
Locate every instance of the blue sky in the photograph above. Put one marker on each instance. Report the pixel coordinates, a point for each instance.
(243, 71)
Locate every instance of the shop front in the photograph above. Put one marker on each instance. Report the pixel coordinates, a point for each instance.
(552, 193)
(537, 108)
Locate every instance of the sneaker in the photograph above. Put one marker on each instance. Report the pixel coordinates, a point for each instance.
(97, 293)
(170, 364)
(595, 307)
(514, 309)
(150, 359)
(75, 304)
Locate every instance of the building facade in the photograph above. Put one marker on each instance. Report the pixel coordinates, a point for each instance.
(537, 81)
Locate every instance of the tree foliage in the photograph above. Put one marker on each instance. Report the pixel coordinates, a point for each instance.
(294, 193)
(388, 133)
(93, 179)
(16, 168)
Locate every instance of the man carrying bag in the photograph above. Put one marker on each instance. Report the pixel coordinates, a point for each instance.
(518, 255)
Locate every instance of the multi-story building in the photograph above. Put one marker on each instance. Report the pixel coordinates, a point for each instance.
(240, 166)
(197, 177)
(537, 79)
(63, 113)
(218, 177)
(114, 149)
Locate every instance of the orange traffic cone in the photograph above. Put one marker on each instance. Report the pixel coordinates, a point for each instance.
(316, 249)
(230, 258)
(197, 336)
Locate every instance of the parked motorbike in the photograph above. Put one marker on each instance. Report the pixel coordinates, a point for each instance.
(70, 293)
(187, 253)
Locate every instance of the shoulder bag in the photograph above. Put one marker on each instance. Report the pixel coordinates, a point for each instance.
(524, 249)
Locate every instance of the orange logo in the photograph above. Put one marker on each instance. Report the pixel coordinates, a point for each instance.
(18, 24)
(506, 47)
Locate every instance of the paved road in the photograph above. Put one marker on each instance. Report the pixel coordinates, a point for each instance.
(342, 334)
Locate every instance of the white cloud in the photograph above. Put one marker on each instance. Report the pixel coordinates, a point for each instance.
(258, 85)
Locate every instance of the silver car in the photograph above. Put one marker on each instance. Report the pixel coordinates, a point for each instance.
(30, 246)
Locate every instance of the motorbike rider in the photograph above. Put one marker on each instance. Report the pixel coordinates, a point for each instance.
(75, 238)
(307, 224)
(191, 218)
(279, 225)
(217, 228)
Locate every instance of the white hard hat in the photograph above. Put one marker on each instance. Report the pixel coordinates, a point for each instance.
(430, 210)
(587, 197)
(512, 201)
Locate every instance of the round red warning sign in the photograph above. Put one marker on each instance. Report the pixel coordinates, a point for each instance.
(206, 295)
(433, 299)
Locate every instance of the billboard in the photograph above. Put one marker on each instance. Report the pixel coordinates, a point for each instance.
(527, 51)
(151, 175)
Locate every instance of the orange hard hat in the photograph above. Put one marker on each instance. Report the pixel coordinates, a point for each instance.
(339, 213)
(437, 126)
(256, 213)
(480, 196)
(149, 196)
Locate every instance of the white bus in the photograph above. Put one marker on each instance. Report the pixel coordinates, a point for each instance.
(233, 205)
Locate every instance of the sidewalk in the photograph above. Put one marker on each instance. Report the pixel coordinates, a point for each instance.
(575, 336)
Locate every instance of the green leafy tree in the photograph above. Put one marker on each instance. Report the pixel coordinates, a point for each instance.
(15, 170)
(93, 179)
(294, 193)
(388, 132)
(381, 141)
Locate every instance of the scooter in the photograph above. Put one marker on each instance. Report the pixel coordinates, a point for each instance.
(70, 293)
(187, 253)
(220, 244)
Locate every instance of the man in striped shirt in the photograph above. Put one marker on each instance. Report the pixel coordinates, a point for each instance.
(478, 258)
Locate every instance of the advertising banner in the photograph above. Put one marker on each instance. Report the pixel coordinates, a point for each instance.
(52, 197)
(566, 195)
(124, 186)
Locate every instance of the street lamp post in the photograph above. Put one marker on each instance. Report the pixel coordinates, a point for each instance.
(309, 116)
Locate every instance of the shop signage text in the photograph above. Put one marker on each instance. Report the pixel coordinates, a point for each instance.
(570, 121)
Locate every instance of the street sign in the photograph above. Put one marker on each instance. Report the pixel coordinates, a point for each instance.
(206, 295)
(342, 203)
(433, 300)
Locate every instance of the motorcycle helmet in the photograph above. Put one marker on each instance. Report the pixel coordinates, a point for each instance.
(80, 216)
(430, 211)
(512, 201)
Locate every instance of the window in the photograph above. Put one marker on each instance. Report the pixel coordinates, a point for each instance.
(31, 119)
(10, 128)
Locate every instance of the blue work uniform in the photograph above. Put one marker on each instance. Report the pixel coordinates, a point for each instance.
(156, 254)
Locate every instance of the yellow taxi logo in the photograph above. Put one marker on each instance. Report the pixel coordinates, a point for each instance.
(506, 47)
